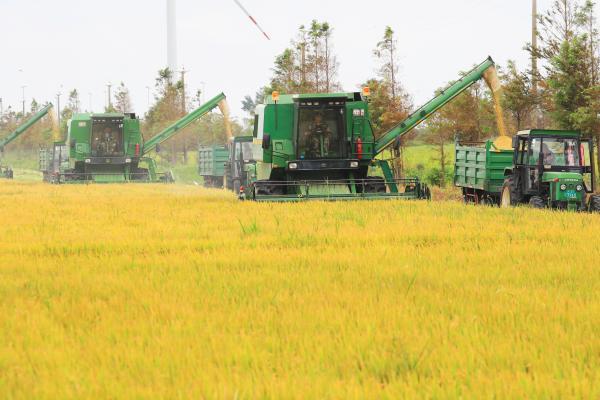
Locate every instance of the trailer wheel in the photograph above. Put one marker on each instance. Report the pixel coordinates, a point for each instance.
(487, 201)
(595, 203)
(509, 196)
(506, 200)
(537, 202)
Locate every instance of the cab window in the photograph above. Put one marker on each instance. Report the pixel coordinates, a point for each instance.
(321, 130)
(107, 137)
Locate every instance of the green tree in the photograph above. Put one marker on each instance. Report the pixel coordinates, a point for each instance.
(308, 65)
(123, 100)
(519, 98)
(569, 79)
(386, 53)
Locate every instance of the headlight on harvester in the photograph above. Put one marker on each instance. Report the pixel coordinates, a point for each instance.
(353, 164)
(293, 165)
(563, 187)
(88, 161)
(579, 188)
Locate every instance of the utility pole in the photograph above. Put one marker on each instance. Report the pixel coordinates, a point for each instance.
(148, 96)
(202, 92)
(537, 117)
(23, 89)
(58, 106)
(109, 106)
(183, 72)
(171, 36)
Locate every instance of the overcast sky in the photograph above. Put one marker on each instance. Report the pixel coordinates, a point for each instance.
(85, 44)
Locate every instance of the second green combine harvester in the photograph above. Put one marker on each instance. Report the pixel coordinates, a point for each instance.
(322, 147)
(109, 148)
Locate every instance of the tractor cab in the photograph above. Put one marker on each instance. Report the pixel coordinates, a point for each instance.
(240, 162)
(552, 168)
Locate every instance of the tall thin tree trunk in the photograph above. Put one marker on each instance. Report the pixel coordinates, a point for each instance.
(393, 74)
(316, 65)
(327, 81)
(303, 64)
(442, 164)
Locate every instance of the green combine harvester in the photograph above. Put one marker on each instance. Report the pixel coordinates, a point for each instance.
(322, 147)
(6, 171)
(110, 148)
(544, 168)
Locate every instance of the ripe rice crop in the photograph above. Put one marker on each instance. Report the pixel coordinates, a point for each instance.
(179, 292)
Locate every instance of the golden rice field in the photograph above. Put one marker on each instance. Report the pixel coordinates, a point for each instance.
(179, 292)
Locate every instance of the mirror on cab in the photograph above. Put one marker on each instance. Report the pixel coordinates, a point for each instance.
(266, 142)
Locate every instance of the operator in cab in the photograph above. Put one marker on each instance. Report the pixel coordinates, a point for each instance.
(319, 137)
(547, 155)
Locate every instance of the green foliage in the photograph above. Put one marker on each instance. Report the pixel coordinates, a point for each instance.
(569, 79)
(122, 99)
(519, 98)
(308, 65)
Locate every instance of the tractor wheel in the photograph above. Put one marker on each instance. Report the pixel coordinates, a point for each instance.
(595, 203)
(509, 196)
(537, 202)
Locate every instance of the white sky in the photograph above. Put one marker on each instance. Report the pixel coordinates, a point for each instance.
(86, 44)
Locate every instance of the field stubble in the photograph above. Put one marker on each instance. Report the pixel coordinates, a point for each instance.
(176, 291)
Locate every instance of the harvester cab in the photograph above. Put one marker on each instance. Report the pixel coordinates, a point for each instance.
(322, 146)
(110, 148)
(551, 169)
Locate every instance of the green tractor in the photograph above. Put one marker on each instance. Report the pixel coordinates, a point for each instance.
(322, 147)
(226, 166)
(552, 169)
(110, 148)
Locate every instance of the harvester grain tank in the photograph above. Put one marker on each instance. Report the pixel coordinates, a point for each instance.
(544, 168)
(6, 171)
(322, 146)
(109, 148)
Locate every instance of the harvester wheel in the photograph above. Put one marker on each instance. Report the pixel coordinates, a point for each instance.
(268, 188)
(509, 196)
(537, 202)
(595, 203)
(375, 184)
